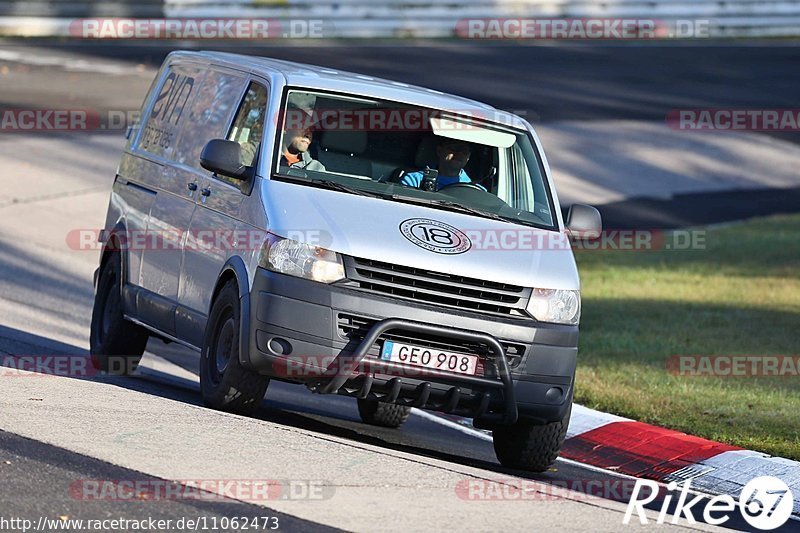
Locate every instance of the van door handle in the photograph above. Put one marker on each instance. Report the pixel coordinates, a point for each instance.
(205, 191)
(192, 186)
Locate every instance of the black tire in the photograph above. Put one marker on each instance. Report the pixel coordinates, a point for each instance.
(529, 446)
(224, 383)
(115, 344)
(388, 415)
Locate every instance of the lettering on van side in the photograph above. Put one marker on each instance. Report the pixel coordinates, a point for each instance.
(167, 110)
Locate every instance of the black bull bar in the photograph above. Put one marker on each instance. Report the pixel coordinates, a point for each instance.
(342, 368)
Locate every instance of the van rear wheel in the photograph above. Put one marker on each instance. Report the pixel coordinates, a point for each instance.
(224, 383)
(530, 446)
(388, 415)
(116, 345)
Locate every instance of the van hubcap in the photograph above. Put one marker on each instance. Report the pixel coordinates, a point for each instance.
(224, 347)
(109, 307)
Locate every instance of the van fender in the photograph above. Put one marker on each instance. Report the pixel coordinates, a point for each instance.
(234, 268)
(117, 235)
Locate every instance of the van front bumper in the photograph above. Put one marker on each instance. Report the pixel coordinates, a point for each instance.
(301, 331)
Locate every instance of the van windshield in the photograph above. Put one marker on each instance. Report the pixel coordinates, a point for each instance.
(412, 154)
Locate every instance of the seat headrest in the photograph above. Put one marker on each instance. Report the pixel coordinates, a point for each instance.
(344, 141)
(426, 152)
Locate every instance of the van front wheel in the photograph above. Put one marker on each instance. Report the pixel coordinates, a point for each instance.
(530, 446)
(224, 383)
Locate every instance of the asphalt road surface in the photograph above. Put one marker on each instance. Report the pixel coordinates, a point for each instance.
(580, 94)
(56, 432)
(590, 81)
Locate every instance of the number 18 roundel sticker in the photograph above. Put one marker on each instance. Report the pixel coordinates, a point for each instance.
(435, 236)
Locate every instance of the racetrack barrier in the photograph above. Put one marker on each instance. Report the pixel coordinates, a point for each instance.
(431, 19)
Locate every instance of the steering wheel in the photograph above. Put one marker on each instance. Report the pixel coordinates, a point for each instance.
(463, 185)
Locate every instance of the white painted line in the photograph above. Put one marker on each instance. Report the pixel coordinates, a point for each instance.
(73, 64)
(582, 420)
(452, 425)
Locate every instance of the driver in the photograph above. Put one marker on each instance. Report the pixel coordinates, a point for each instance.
(453, 155)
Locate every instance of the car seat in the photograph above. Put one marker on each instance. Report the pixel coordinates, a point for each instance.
(340, 151)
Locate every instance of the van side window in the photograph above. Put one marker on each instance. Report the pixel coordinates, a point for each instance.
(248, 127)
(210, 113)
(170, 104)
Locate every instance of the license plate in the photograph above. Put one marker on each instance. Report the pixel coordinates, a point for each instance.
(429, 358)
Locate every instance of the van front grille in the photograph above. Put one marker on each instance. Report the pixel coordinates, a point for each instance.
(436, 288)
(355, 327)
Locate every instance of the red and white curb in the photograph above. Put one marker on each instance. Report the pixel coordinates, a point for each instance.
(636, 449)
(624, 446)
(645, 451)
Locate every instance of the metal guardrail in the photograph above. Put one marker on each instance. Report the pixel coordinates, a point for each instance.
(81, 8)
(400, 18)
(52, 18)
(411, 18)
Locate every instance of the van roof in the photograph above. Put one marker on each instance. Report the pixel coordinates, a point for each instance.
(318, 77)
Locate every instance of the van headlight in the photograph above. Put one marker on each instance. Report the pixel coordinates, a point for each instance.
(555, 305)
(301, 260)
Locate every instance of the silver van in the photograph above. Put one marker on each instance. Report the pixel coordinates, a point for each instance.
(359, 236)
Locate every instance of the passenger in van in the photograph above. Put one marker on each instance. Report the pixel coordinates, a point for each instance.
(453, 156)
(295, 150)
(298, 134)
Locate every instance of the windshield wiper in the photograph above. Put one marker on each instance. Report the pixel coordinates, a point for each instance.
(453, 206)
(341, 187)
(432, 202)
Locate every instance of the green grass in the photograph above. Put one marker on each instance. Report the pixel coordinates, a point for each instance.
(738, 296)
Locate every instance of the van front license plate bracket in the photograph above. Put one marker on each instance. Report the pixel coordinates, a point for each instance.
(342, 368)
(423, 357)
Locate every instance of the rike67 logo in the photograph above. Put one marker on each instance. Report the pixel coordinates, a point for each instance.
(765, 503)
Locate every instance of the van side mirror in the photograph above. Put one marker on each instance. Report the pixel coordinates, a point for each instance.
(225, 158)
(584, 221)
